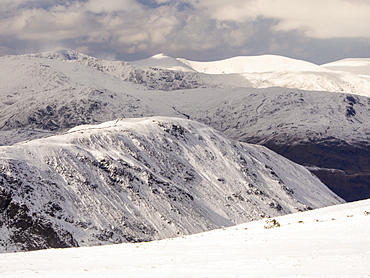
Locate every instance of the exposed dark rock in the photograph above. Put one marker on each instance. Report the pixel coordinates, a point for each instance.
(350, 111)
(345, 168)
(32, 233)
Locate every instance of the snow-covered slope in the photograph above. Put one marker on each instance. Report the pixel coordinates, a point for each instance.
(328, 242)
(358, 66)
(329, 132)
(283, 115)
(142, 179)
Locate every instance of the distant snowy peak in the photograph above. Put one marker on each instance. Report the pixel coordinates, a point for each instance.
(358, 66)
(241, 64)
(250, 64)
(162, 61)
(161, 72)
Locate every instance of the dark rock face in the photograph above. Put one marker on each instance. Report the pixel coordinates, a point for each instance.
(27, 231)
(344, 168)
(53, 118)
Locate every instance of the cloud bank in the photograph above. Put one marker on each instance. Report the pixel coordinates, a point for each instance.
(196, 29)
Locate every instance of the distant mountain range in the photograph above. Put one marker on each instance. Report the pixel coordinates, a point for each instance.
(308, 113)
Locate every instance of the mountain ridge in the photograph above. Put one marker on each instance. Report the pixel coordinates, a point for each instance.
(358, 66)
(234, 65)
(135, 180)
(281, 72)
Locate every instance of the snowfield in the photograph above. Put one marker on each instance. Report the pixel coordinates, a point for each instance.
(328, 242)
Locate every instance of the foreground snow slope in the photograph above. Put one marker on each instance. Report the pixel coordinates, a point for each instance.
(142, 179)
(328, 242)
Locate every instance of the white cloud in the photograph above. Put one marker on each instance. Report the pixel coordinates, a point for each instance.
(38, 24)
(320, 19)
(107, 6)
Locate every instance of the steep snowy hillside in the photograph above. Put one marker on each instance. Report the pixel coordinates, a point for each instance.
(328, 242)
(329, 132)
(358, 66)
(142, 179)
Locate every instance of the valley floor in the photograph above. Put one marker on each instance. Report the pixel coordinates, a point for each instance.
(328, 242)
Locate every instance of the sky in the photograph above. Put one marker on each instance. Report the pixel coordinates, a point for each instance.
(318, 31)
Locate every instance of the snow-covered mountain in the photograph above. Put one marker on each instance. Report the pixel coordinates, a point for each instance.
(166, 73)
(268, 71)
(358, 66)
(242, 64)
(151, 78)
(252, 64)
(162, 61)
(59, 93)
(328, 242)
(48, 93)
(142, 179)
